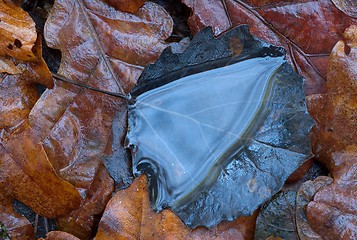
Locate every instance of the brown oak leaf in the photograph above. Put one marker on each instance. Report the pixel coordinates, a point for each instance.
(333, 211)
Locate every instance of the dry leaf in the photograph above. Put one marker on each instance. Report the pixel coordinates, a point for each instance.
(75, 124)
(17, 226)
(26, 173)
(333, 211)
(58, 235)
(99, 42)
(130, 6)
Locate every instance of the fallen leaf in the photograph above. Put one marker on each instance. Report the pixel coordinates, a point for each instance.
(100, 46)
(284, 215)
(20, 49)
(306, 194)
(17, 97)
(131, 6)
(25, 172)
(27, 175)
(278, 218)
(332, 213)
(83, 220)
(59, 235)
(120, 171)
(128, 215)
(297, 26)
(208, 13)
(13, 224)
(18, 36)
(199, 152)
(347, 6)
(96, 51)
(335, 112)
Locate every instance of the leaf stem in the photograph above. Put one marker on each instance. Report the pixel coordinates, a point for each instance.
(64, 79)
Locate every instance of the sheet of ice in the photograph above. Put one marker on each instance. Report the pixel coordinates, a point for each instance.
(191, 126)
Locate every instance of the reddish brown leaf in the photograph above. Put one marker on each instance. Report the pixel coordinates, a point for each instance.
(20, 49)
(335, 112)
(298, 26)
(130, 6)
(128, 215)
(17, 97)
(29, 177)
(25, 171)
(81, 221)
(304, 195)
(208, 13)
(333, 211)
(99, 42)
(58, 235)
(75, 124)
(17, 226)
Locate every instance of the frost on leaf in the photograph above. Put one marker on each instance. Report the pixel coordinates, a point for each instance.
(223, 122)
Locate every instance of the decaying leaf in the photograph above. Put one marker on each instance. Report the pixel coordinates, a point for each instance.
(298, 26)
(284, 217)
(332, 213)
(18, 36)
(214, 15)
(278, 218)
(17, 97)
(305, 194)
(106, 44)
(205, 139)
(97, 51)
(59, 235)
(347, 6)
(13, 224)
(26, 173)
(131, 6)
(128, 215)
(100, 46)
(20, 49)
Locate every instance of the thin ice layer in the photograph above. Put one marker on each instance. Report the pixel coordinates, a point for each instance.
(187, 129)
